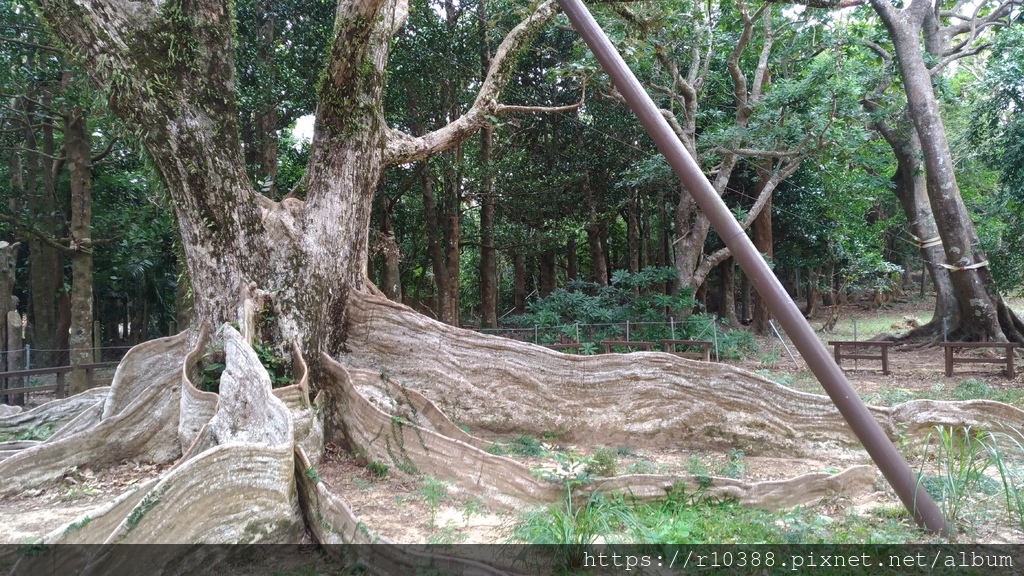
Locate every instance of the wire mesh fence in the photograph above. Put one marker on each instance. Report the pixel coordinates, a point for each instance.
(30, 358)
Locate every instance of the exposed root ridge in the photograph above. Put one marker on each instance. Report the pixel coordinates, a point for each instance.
(234, 484)
(411, 448)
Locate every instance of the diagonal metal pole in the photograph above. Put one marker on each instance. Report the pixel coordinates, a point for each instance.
(868, 431)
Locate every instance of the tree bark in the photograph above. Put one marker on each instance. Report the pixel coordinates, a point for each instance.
(519, 282)
(45, 269)
(727, 293)
(548, 272)
(813, 292)
(595, 235)
(390, 275)
(633, 232)
(488, 254)
(432, 227)
(571, 266)
(79, 163)
(763, 243)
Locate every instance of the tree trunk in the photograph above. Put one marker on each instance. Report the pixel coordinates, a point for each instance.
(453, 253)
(980, 307)
(763, 243)
(910, 187)
(45, 269)
(813, 292)
(548, 272)
(571, 271)
(633, 232)
(79, 163)
(390, 275)
(595, 236)
(727, 293)
(488, 254)
(519, 282)
(432, 227)
(745, 295)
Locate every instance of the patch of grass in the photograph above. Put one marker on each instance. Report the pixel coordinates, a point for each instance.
(575, 527)
(378, 470)
(734, 466)
(553, 435)
(37, 434)
(1001, 445)
(447, 534)
(602, 462)
(642, 466)
(974, 389)
(525, 445)
(625, 451)
(696, 466)
(685, 518)
(77, 493)
(961, 459)
(890, 397)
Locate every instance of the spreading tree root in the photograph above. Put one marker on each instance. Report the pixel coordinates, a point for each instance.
(245, 459)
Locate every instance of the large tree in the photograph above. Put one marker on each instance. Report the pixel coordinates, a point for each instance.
(924, 28)
(291, 274)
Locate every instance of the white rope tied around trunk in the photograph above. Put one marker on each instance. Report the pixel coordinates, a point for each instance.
(921, 244)
(981, 264)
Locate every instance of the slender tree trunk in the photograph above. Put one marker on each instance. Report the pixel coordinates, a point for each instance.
(46, 270)
(432, 227)
(745, 295)
(79, 163)
(633, 232)
(595, 236)
(727, 293)
(453, 256)
(548, 272)
(519, 282)
(910, 187)
(488, 254)
(763, 243)
(571, 265)
(391, 275)
(813, 292)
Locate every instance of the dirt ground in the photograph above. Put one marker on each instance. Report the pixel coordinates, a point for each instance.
(405, 509)
(912, 369)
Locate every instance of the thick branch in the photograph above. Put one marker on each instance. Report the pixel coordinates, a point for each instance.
(30, 44)
(513, 109)
(403, 148)
(33, 231)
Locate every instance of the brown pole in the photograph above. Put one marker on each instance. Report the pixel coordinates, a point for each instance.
(871, 435)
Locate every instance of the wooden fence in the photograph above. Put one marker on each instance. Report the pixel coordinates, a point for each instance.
(59, 387)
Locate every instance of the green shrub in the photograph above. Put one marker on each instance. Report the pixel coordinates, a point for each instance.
(602, 462)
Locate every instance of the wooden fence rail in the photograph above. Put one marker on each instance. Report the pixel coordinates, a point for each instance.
(59, 387)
